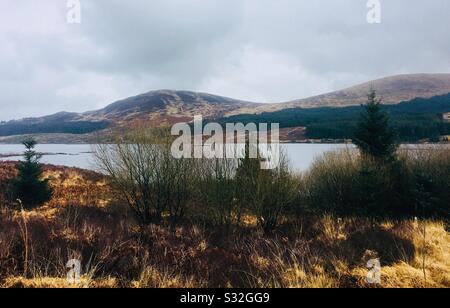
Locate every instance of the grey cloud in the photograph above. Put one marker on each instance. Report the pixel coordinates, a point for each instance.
(260, 50)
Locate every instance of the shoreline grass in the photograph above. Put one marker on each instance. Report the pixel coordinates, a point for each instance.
(86, 220)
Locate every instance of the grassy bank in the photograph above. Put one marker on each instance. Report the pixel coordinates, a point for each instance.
(87, 220)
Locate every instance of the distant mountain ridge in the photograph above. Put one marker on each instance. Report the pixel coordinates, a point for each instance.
(392, 90)
(417, 120)
(166, 107)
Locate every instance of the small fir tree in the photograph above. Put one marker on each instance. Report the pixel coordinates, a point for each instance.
(374, 135)
(28, 186)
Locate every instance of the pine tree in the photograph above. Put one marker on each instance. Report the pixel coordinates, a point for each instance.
(374, 135)
(28, 186)
(247, 178)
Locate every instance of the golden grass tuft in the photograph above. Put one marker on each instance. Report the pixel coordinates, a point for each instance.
(315, 252)
(151, 277)
(58, 283)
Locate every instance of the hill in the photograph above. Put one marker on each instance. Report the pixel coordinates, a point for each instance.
(392, 90)
(166, 107)
(415, 120)
(157, 108)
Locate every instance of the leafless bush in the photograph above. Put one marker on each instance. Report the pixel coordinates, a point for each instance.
(218, 188)
(276, 192)
(152, 182)
(267, 193)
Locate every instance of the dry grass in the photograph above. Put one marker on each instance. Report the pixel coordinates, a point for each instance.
(58, 283)
(152, 277)
(410, 273)
(115, 252)
(338, 255)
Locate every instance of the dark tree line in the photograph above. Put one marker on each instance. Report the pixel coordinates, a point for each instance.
(75, 127)
(414, 120)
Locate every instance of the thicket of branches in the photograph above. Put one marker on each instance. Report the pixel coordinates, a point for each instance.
(378, 181)
(156, 185)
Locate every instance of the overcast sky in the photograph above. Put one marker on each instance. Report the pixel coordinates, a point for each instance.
(257, 50)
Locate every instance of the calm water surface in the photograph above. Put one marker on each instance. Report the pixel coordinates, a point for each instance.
(70, 155)
(301, 156)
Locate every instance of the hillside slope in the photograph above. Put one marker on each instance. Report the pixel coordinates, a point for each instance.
(416, 120)
(392, 90)
(166, 107)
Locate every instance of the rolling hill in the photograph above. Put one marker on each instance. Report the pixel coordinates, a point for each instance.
(392, 90)
(166, 107)
(420, 119)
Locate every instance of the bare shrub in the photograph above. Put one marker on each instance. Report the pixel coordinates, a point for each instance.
(217, 188)
(268, 193)
(430, 170)
(152, 182)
